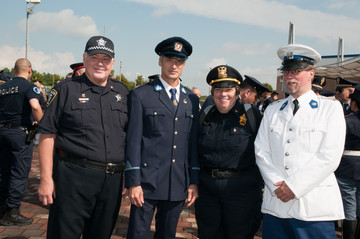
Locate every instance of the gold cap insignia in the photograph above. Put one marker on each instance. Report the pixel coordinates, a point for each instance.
(222, 72)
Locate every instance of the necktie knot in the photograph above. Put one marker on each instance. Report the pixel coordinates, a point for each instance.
(296, 106)
(173, 98)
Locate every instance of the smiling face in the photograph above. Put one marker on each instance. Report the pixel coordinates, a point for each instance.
(225, 99)
(298, 81)
(98, 67)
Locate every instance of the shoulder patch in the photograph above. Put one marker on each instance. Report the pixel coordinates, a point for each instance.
(36, 90)
(53, 93)
(183, 90)
(158, 87)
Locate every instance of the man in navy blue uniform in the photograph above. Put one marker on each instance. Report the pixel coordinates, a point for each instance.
(19, 99)
(161, 157)
(85, 123)
(344, 88)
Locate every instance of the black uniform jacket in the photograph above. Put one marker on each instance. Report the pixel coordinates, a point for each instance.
(89, 121)
(350, 165)
(226, 141)
(161, 151)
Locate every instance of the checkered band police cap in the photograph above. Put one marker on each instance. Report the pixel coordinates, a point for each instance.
(100, 44)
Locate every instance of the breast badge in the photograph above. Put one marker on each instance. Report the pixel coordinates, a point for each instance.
(243, 120)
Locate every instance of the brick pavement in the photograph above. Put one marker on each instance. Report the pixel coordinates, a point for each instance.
(31, 207)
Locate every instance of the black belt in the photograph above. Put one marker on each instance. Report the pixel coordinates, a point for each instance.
(222, 173)
(108, 168)
(10, 126)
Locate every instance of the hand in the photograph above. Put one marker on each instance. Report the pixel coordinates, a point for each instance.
(283, 192)
(46, 191)
(193, 194)
(136, 195)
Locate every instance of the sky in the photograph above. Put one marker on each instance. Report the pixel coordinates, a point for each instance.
(244, 34)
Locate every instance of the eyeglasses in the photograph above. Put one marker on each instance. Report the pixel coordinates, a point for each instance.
(296, 71)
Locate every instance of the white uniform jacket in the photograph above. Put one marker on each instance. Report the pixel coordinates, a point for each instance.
(304, 151)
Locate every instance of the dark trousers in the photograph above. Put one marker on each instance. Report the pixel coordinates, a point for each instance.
(15, 165)
(290, 228)
(228, 208)
(166, 219)
(87, 202)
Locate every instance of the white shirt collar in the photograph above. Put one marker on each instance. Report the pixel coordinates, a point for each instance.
(167, 88)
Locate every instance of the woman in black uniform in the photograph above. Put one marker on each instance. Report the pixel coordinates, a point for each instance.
(230, 189)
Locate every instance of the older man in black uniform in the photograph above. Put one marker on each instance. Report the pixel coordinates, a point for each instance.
(84, 122)
(161, 160)
(19, 99)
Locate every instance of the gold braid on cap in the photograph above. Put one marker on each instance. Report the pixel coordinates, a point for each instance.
(225, 79)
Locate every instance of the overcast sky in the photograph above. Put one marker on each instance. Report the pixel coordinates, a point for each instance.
(244, 34)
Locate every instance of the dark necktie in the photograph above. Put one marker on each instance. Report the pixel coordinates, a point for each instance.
(173, 98)
(296, 106)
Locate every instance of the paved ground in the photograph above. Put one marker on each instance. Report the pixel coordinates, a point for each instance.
(31, 207)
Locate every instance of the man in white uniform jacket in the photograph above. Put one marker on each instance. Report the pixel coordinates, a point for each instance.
(297, 151)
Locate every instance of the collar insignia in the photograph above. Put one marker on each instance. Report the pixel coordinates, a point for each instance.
(185, 101)
(118, 98)
(183, 90)
(242, 120)
(314, 104)
(284, 105)
(158, 88)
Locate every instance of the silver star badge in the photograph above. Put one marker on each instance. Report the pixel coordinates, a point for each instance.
(118, 97)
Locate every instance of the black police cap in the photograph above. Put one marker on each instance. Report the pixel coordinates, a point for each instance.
(319, 82)
(255, 84)
(176, 47)
(344, 83)
(100, 44)
(77, 66)
(224, 76)
(6, 76)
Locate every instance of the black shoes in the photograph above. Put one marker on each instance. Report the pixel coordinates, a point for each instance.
(12, 217)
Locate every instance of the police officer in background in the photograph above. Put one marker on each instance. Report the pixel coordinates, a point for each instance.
(19, 101)
(317, 84)
(78, 69)
(343, 89)
(230, 187)
(250, 88)
(348, 172)
(161, 160)
(84, 122)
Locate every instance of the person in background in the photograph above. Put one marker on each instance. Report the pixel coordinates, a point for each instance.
(274, 96)
(348, 172)
(19, 105)
(161, 158)
(250, 89)
(266, 95)
(230, 188)
(343, 89)
(298, 148)
(317, 84)
(78, 69)
(82, 148)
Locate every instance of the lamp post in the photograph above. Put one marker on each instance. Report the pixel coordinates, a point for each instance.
(29, 11)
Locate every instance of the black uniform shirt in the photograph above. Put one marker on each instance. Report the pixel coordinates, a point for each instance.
(226, 141)
(14, 101)
(89, 121)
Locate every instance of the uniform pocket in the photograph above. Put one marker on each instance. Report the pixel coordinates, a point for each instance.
(149, 171)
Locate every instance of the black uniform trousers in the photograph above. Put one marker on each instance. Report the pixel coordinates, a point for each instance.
(15, 165)
(228, 208)
(87, 202)
(166, 219)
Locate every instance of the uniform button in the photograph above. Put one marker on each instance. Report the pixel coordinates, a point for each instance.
(145, 164)
(312, 130)
(174, 147)
(155, 113)
(176, 119)
(286, 167)
(176, 133)
(289, 141)
(173, 161)
(290, 129)
(287, 154)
